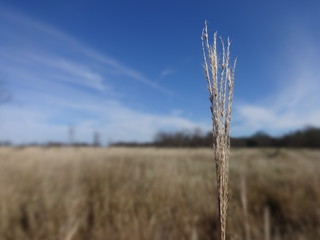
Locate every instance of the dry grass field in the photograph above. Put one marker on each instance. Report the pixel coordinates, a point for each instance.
(142, 194)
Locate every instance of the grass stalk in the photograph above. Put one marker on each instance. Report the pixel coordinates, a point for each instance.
(267, 226)
(220, 80)
(244, 203)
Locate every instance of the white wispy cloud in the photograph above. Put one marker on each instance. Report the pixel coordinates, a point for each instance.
(55, 38)
(114, 120)
(295, 100)
(167, 71)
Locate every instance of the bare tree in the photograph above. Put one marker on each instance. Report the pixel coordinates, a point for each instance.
(71, 132)
(96, 139)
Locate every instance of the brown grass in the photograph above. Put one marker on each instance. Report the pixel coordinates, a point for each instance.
(137, 194)
(220, 79)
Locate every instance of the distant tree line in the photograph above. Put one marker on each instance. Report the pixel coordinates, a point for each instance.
(308, 138)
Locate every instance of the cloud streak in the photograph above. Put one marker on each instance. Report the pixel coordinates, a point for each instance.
(49, 35)
(167, 71)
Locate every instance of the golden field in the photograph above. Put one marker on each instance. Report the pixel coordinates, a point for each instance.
(147, 193)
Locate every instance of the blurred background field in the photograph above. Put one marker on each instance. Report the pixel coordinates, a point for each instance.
(89, 193)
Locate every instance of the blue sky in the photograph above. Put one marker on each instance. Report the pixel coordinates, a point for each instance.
(131, 68)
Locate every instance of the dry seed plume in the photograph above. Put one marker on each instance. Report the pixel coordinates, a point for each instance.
(220, 79)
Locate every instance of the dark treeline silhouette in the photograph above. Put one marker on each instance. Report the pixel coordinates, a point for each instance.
(308, 138)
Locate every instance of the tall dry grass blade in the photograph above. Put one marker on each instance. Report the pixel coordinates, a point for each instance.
(194, 234)
(267, 226)
(220, 80)
(244, 203)
(72, 232)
